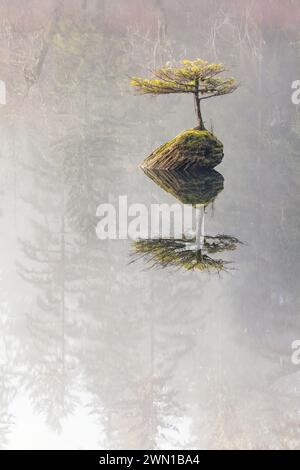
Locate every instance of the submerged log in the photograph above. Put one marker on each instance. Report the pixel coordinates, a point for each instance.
(192, 148)
(196, 187)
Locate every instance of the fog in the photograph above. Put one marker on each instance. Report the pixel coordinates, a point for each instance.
(97, 351)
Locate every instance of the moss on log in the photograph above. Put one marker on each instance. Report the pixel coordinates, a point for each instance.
(192, 148)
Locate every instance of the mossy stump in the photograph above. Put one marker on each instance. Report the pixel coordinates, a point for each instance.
(193, 148)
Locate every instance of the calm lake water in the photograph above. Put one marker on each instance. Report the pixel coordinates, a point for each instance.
(97, 351)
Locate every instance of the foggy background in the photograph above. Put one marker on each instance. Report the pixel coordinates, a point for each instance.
(96, 352)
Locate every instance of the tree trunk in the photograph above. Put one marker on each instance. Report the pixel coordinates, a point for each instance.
(200, 234)
(198, 108)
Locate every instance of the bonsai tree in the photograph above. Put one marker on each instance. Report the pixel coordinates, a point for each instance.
(190, 254)
(197, 77)
(174, 253)
(184, 253)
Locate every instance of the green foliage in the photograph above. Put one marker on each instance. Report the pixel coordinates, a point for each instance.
(192, 76)
(219, 243)
(180, 253)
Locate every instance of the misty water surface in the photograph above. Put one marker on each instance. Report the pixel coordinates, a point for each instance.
(98, 352)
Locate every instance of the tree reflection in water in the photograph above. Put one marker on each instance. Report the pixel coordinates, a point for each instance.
(198, 188)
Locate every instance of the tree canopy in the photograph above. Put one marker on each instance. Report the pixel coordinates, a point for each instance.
(192, 76)
(181, 253)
